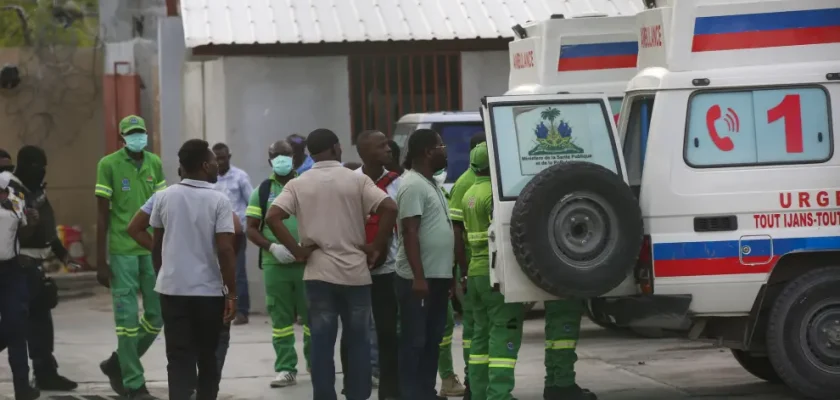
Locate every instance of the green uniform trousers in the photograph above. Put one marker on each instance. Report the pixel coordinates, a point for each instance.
(562, 329)
(497, 335)
(133, 275)
(285, 294)
(446, 368)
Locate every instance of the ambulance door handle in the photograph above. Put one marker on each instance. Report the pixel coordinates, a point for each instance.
(718, 223)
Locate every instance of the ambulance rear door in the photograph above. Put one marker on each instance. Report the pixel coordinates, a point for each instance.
(527, 134)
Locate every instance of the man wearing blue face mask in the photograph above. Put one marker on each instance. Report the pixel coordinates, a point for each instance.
(284, 290)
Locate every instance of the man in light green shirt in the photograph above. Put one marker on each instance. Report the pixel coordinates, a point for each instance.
(424, 264)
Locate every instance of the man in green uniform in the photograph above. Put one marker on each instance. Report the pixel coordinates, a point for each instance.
(125, 179)
(462, 258)
(562, 328)
(497, 329)
(284, 289)
(450, 384)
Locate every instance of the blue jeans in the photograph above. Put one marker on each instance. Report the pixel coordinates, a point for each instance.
(374, 350)
(422, 322)
(327, 303)
(243, 303)
(14, 308)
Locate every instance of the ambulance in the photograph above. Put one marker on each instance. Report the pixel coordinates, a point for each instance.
(716, 208)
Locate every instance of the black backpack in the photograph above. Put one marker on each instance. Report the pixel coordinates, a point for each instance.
(263, 192)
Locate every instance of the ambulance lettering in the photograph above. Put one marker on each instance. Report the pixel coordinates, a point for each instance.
(523, 60)
(651, 36)
(809, 214)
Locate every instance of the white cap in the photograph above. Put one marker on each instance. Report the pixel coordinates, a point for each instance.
(5, 178)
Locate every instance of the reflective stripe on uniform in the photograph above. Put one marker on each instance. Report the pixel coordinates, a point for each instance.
(477, 237)
(446, 341)
(148, 327)
(560, 344)
(160, 186)
(456, 213)
(467, 343)
(104, 191)
(306, 331)
(253, 211)
(283, 332)
(502, 363)
(129, 332)
(477, 359)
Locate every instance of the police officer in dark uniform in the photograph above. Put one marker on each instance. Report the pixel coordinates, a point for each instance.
(35, 247)
(14, 290)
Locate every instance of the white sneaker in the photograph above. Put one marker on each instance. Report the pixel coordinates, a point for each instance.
(374, 381)
(284, 379)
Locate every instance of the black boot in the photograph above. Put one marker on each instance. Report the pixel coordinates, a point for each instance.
(139, 394)
(573, 392)
(467, 394)
(111, 369)
(26, 392)
(52, 381)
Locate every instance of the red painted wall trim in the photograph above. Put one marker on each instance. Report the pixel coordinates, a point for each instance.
(172, 7)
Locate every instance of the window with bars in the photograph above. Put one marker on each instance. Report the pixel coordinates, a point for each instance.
(385, 87)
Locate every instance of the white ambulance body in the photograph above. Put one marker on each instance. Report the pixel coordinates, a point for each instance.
(590, 56)
(585, 54)
(728, 132)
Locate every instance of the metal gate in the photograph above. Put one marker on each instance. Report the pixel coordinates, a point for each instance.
(385, 87)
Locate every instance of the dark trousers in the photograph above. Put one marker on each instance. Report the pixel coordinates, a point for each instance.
(192, 325)
(384, 303)
(222, 348)
(243, 303)
(14, 307)
(422, 322)
(327, 303)
(40, 336)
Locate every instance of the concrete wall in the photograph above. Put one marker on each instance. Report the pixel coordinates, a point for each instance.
(60, 111)
(483, 74)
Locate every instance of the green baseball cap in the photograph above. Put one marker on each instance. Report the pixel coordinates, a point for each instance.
(130, 123)
(479, 158)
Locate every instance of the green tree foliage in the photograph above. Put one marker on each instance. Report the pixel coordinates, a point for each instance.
(39, 23)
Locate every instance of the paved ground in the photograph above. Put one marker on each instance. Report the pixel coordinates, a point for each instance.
(615, 367)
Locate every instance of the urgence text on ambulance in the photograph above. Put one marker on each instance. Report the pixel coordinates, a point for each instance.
(810, 211)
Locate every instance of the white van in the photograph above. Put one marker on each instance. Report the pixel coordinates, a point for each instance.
(583, 54)
(727, 134)
(455, 128)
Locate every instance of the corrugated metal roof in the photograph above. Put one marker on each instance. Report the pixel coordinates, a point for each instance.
(317, 21)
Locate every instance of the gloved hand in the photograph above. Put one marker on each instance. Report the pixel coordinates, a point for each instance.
(281, 253)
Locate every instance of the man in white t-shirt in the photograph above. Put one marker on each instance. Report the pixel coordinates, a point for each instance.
(193, 255)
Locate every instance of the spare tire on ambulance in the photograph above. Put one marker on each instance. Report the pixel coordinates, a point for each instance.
(576, 230)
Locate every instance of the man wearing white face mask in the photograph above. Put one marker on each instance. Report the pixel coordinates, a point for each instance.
(284, 289)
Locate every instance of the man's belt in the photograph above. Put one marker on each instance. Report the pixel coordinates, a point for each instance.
(38, 254)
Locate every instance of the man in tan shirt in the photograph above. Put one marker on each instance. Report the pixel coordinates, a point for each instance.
(331, 203)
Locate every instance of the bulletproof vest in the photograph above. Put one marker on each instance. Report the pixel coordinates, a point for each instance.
(45, 232)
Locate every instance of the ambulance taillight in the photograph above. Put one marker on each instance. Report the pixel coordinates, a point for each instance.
(644, 267)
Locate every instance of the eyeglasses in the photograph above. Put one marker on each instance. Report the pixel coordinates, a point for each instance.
(441, 146)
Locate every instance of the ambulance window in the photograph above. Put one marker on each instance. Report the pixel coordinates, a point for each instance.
(531, 137)
(758, 127)
(456, 136)
(615, 106)
(635, 139)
